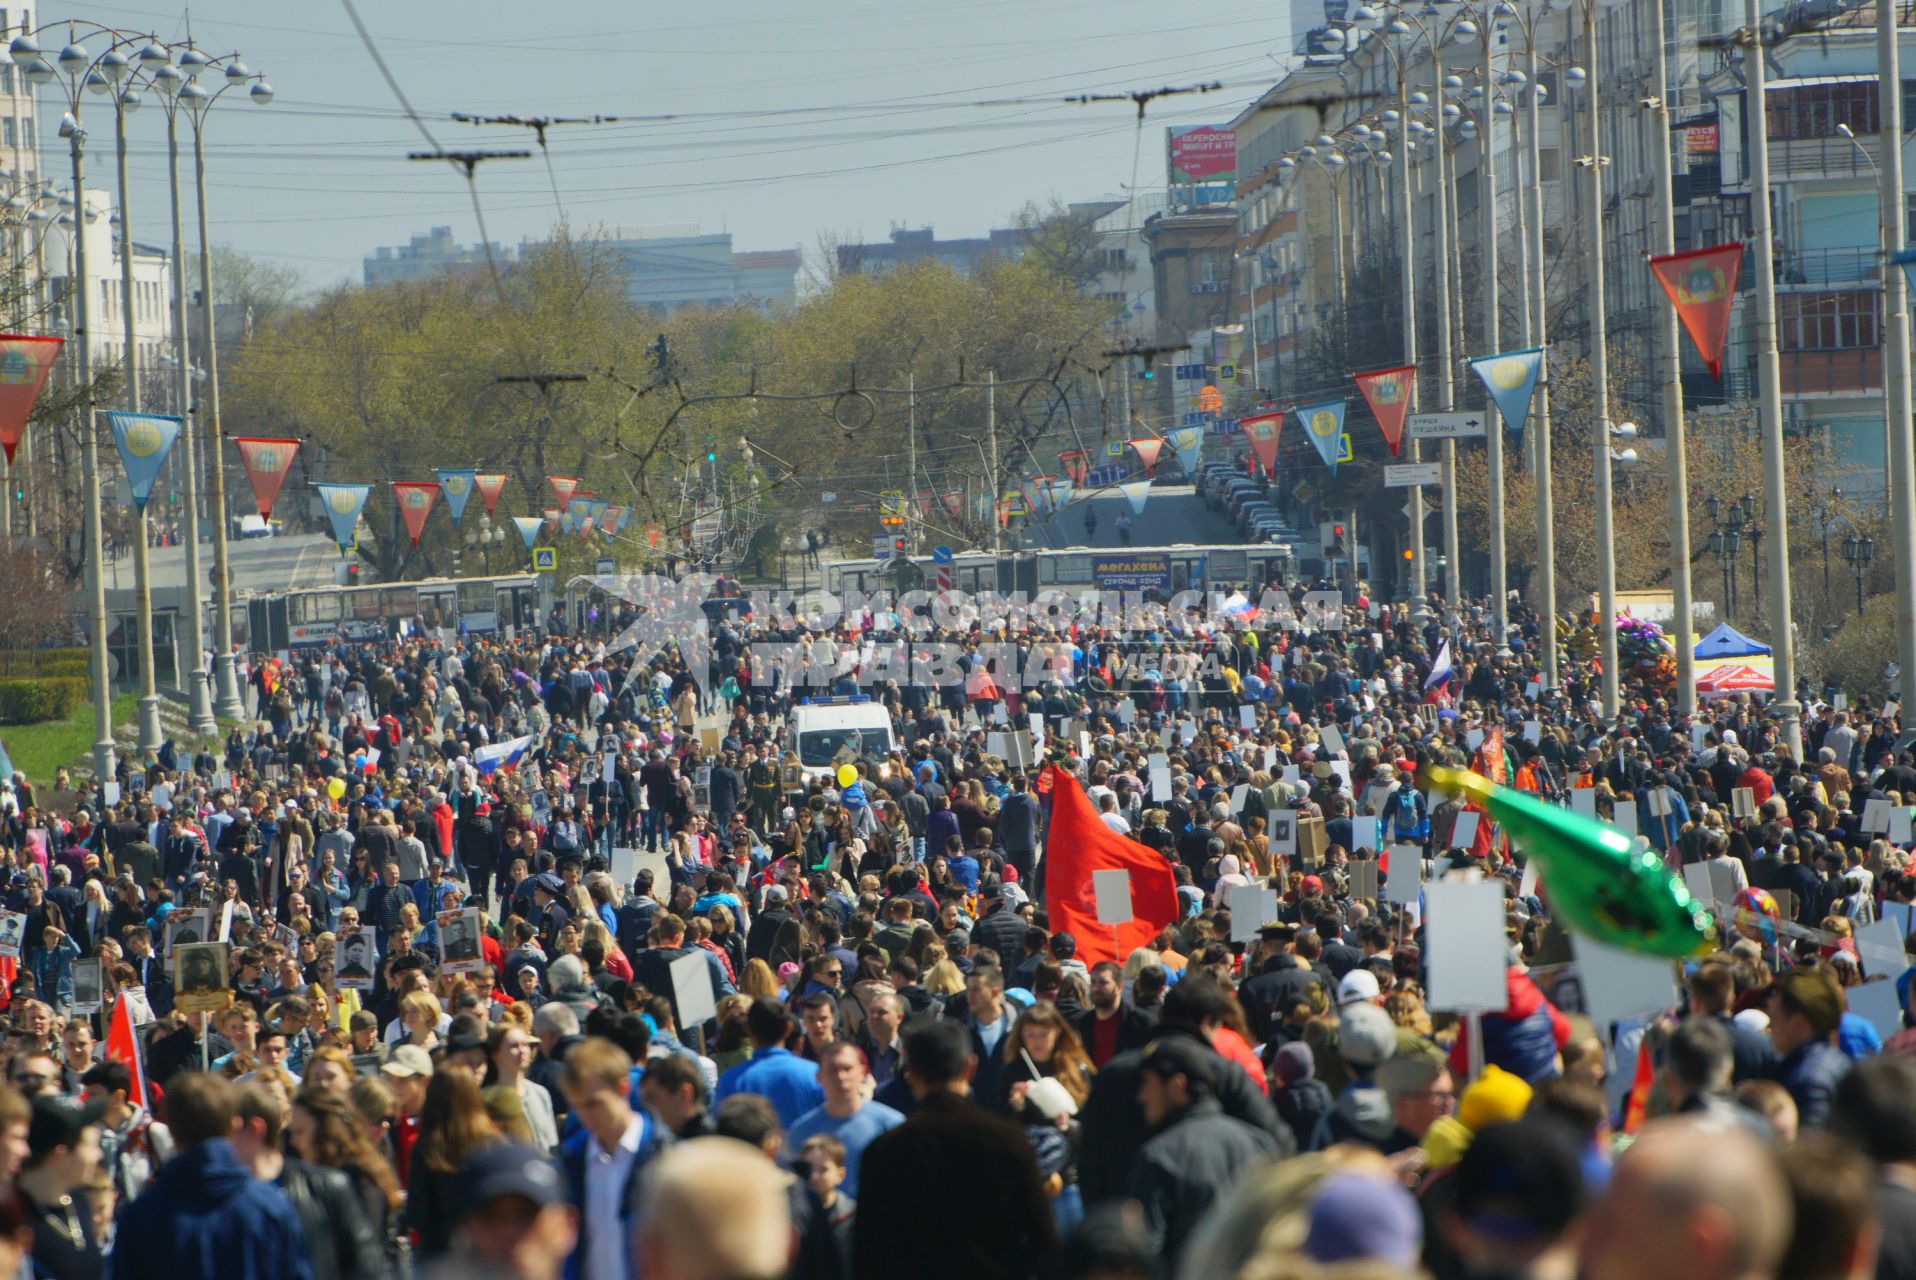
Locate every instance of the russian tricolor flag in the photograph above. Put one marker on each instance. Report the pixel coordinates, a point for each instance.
(490, 759)
(1439, 671)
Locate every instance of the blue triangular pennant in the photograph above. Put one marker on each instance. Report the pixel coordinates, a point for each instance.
(1324, 424)
(343, 504)
(1510, 378)
(457, 485)
(144, 440)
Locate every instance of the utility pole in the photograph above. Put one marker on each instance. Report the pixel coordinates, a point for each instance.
(911, 461)
(1493, 427)
(991, 440)
(1770, 391)
(1896, 373)
(1537, 333)
(1600, 372)
(1407, 253)
(149, 704)
(1670, 374)
(1446, 382)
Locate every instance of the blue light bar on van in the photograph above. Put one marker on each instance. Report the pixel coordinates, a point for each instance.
(845, 700)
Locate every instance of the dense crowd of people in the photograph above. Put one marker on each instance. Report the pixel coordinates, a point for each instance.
(722, 1016)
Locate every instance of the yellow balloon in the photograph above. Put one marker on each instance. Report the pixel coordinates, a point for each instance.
(847, 775)
(335, 787)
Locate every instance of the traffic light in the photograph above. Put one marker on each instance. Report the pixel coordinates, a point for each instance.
(711, 450)
(1337, 540)
(1408, 557)
(898, 544)
(1145, 371)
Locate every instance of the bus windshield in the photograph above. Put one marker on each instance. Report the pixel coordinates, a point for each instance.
(821, 747)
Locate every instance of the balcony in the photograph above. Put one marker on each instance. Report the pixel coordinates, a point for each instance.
(1832, 373)
(1850, 264)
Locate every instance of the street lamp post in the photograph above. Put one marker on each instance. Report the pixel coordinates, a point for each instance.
(169, 81)
(1769, 388)
(1896, 366)
(1859, 552)
(115, 77)
(199, 101)
(69, 70)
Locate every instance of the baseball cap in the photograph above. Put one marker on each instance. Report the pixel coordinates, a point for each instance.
(59, 1123)
(776, 893)
(509, 1169)
(407, 1060)
(1366, 1035)
(1358, 987)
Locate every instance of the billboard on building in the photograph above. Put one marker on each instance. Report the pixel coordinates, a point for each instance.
(1202, 154)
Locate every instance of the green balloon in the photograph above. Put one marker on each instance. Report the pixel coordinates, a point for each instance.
(1598, 884)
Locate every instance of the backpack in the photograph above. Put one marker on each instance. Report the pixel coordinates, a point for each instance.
(1408, 818)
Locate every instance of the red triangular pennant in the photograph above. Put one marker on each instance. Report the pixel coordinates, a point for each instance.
(490, 486)
(563, 487)
(1388, 393)
(1701, 284)
(266, 461)
(415, 499)
(25, 362)
(1148, 448)
(1261, 430)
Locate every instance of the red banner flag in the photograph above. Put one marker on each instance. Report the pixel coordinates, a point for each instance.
(1075, 465)
(1079, 843)
(609, 519)
(1261, 430)
(1148, 449)
(24, 364)
(1490, 762)
(563, 488)
(1388, 393)
(415, 499)
(266, 461)
(1702, 286)
(123, 1045)
(490, 486)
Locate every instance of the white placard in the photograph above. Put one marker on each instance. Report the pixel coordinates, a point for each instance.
(1341, 770)
(692, 990)
(1463, 832)
(1112, 889)
(1187, 732)
(1625, 817)
(1158, 760)
(1881, 947)
(1696, 878)
(1464, 945)
(1876, 1003)
(1281, 837)
(1000, 714)
(1527, 885)
(1900, 914)
(110, 792)
(1239, 794)
(1899, 825)
(1293, 773)
(1875, 817)
(1620, 984)
(1251, 909)
(1839, 700)
(1036, 720)
(1404, 877)
(1127, 712)
(1583, 800)
(1660, 802)
(1160, 784)
(1533, 731)
(1247, 717)
(226, 921)
(1534, 689)
(1742, 802)
(1474, 738)
(1332, 739)
(1084, 743)
(1364, 833)
(1698, 732)
(1270, 758)
(88, 986)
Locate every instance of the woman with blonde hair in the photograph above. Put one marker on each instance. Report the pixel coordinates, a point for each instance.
(419, 1019)
(759, 980)
(943, 979)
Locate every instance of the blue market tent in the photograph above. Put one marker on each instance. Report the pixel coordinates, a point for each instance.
(1727, 642)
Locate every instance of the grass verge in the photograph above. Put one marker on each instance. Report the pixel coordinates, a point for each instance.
(38, 749)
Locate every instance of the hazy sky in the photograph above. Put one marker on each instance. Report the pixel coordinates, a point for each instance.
(795, 119)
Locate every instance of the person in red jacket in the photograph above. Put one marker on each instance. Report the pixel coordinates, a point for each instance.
(1524, 1038)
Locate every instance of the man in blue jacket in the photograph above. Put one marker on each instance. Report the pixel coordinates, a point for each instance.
(205, 1214)
(784, 1079)
(605, 1159)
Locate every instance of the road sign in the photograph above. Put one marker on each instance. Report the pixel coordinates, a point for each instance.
(1405, 475)
(1302, 491)
(941, 555)
(545, 559)
(1344, 447)
(881, 546)
(1445, 426)
(605, 565)
(1227, 373)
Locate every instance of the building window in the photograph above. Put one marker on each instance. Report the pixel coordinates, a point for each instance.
(1827, 321)
(1814, 110)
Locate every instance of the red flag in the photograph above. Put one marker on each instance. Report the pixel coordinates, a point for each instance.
(1489, 762)
(1388, 393)
(1261, 430)
(1148, 448)
(123, 1045)
(1636, 1104)
(415, 499)
(266, 461)
(24, 364)
(1077, 844)
(1075, 464)
(490, 486)
(563, 488)
(609, 519)
(1702, 286)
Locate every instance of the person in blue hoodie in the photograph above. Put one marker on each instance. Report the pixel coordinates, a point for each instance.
(205, 1214)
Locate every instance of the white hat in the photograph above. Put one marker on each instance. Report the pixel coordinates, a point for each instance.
(1358, 987)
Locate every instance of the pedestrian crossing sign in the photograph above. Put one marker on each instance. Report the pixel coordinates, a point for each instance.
(1344, 447)
(545, 559)
(1227, 373)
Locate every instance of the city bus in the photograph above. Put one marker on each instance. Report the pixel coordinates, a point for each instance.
(1158, 571)
(319, 616)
